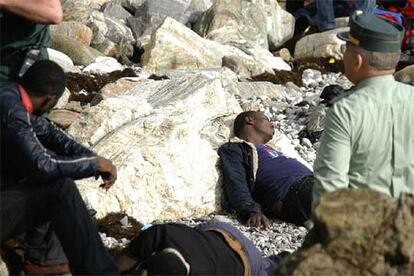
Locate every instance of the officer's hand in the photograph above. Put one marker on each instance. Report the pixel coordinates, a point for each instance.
(257, 220)
(107, 170)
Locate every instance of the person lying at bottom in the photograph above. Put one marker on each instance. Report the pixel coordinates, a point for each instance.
(212, 248)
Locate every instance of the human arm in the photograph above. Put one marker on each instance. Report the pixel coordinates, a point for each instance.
(331, 166)
(236, 187)
(39, 11)
(58, 140)
(17, 128)
(62, 144)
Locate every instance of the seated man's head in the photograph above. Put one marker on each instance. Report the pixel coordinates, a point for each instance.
(45, 83)
(254, 127)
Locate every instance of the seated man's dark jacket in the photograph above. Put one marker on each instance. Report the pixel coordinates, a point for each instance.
(27, 142)
(239, 176)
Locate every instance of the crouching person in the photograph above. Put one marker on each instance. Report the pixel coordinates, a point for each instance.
(38, 165)
(212, 248)
(261, 182)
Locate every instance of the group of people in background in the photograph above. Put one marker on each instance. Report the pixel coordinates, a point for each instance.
(367, 143)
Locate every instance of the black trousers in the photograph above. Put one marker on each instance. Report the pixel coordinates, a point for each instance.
(297, 205)
(26, 205)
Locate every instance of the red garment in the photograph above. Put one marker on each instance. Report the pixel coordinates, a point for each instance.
(27, 102)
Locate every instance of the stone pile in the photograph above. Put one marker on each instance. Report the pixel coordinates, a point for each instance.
(357, 232)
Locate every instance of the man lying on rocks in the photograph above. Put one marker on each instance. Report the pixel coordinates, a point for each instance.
(36, 184)
(261, 182)
(212, 248)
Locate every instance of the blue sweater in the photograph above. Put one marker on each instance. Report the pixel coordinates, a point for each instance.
(276, 174)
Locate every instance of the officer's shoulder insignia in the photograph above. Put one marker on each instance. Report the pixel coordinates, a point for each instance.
(341, 96)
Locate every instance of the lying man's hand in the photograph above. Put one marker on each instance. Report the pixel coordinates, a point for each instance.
(257, 220)
(107, 170)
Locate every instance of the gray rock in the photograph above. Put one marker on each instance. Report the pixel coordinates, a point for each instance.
(97, 24)
(64, 100)
(76, 10)
(75, 30)
(144, 25)
(324, 45)
(244, 68)
(234, 22)
(375, 240)
(3, 268)
(174, 46)
(79, 53)
(280, 24)
(121, 35)
(172, 8)
(406, 75)
(63, 60)
(108, 48)
(311, 78)
(196, 8)
(63, 118)
(103, 65)
(153, 12)
(116, 11)
(118, 32)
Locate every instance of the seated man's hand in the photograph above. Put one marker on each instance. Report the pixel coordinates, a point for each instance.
(258, 220)
(107, 170)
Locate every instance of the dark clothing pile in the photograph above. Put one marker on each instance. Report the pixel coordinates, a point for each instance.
(204, 248)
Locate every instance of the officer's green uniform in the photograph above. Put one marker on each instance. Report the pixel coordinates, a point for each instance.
(17, 35)
(369, 132)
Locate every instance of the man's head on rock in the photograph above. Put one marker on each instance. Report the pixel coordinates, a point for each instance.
(254, 127)
(44, 83)
(372, 48)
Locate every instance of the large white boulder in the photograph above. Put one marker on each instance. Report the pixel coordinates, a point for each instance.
(166, 158)
(103, 65)
(174, 46)
(235, 22)
(318, 45)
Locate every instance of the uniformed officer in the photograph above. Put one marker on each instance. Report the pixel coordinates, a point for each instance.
(369, 132)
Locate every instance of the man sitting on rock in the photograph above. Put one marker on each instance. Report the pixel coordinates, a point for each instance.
(38, 165)
(212, 248)
(261, 182)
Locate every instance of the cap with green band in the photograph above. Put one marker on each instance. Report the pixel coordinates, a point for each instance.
(373, 33)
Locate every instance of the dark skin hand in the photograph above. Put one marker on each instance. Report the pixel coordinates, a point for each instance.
(107, 170)
(258, 220)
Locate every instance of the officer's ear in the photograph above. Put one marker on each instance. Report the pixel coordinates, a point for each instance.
(360, 62)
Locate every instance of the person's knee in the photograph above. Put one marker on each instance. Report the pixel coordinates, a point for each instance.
(64, 187)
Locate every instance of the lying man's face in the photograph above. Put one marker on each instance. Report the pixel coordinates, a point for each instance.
(263, 125)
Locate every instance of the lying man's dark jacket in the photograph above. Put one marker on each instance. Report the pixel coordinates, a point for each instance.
(239, 163)
(27, 142)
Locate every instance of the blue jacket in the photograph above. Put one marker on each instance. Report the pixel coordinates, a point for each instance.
(239, 166)
(33, 148)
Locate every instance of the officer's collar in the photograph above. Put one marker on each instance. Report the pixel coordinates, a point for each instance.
(375, 80)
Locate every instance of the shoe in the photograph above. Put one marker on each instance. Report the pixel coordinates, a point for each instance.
(30, 268)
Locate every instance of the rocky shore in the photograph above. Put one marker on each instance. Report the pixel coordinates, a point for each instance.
(154, 85)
